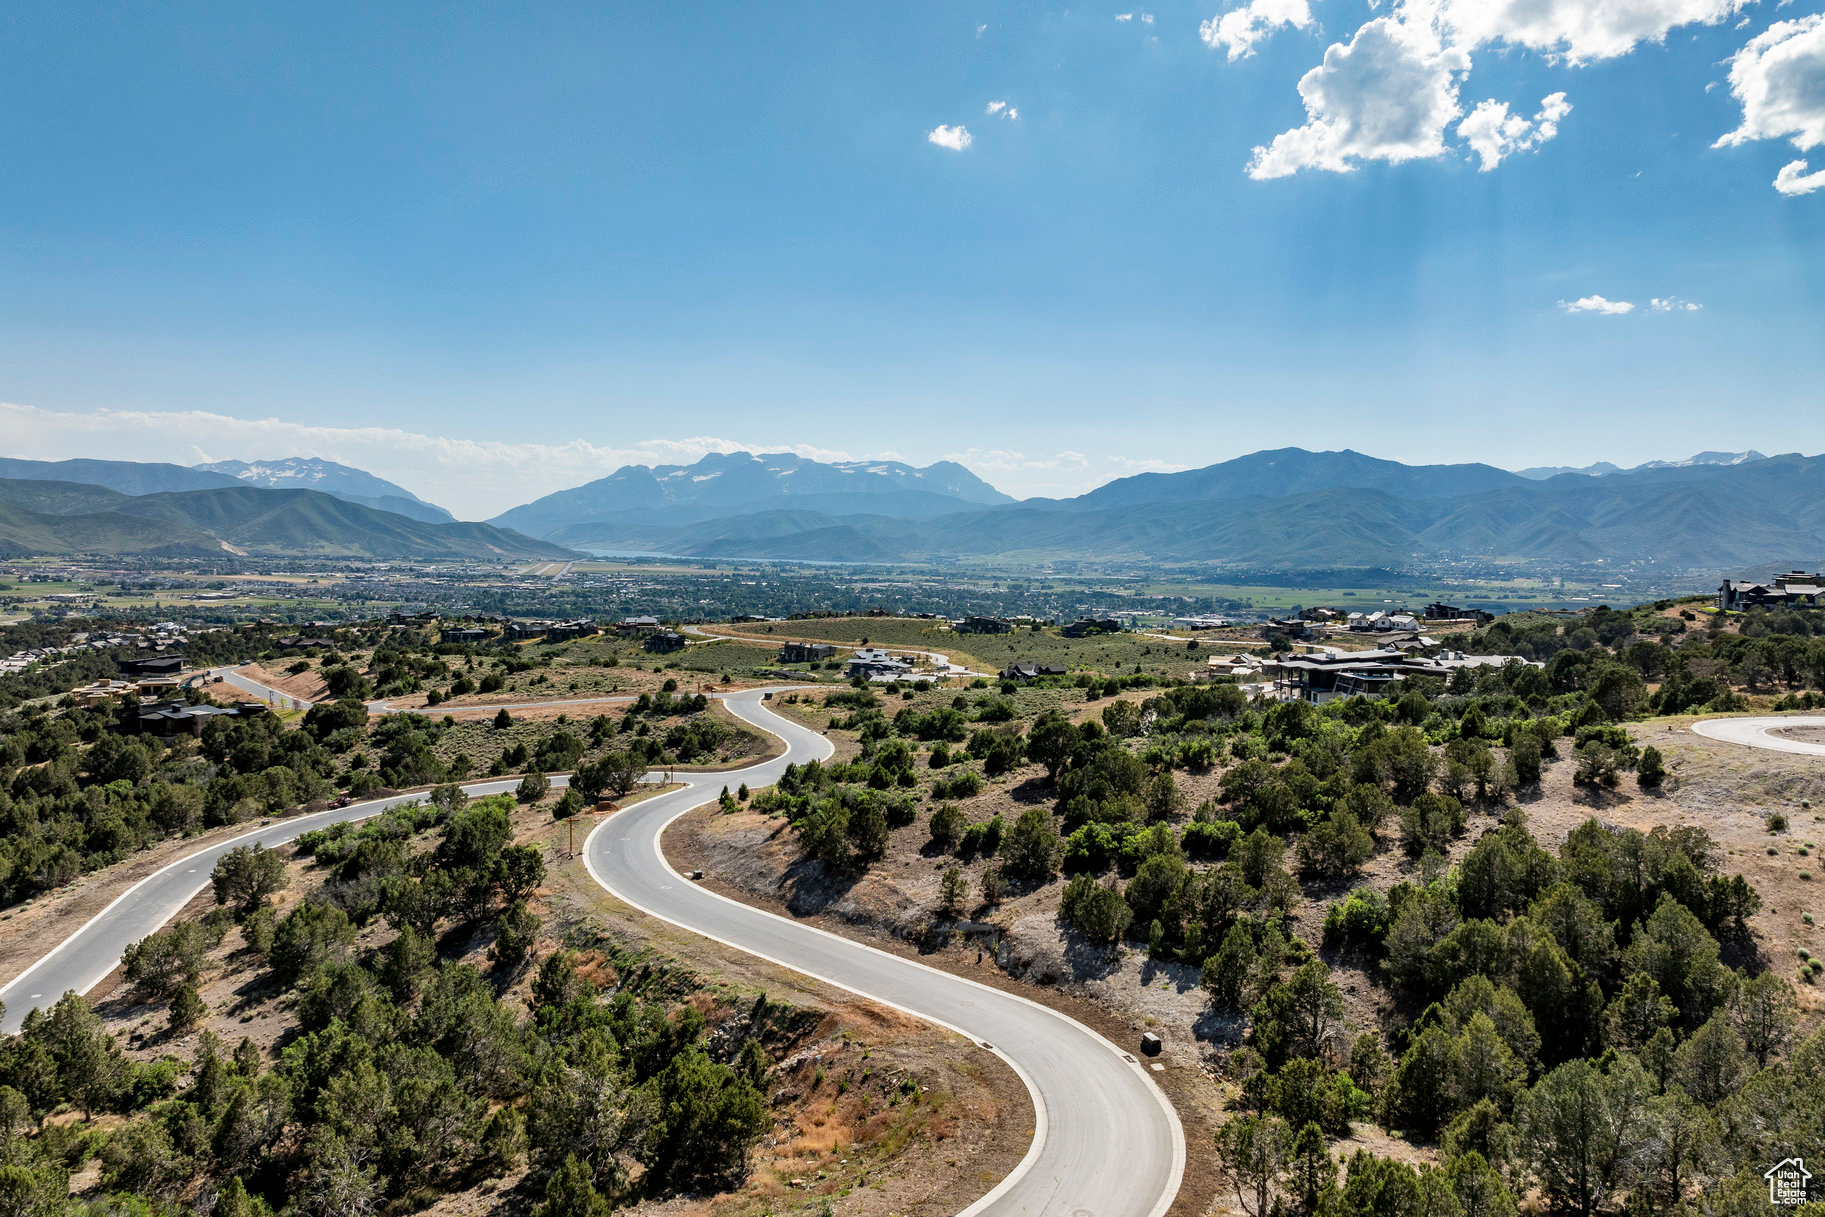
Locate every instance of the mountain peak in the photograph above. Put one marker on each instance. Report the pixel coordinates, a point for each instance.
(1605, 468)
(739, 483)
(345, 483)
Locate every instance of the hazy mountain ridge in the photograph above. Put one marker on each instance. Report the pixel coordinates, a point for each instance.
(346, 483)
(1283, 472)
(127, 477)
(1605, 468)
(724, 484)
(1695, 517)
(42, 517)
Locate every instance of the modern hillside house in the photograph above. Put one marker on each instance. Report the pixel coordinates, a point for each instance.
(1319, 677)
(157, 665)
(873, 663)
(176, 718)
(806, 652)
(1796, 589)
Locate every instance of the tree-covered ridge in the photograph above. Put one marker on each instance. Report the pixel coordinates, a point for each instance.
(409, 1076)
(81, 790)
(1592, 1027)
(1697, 660)
(1580, 1037)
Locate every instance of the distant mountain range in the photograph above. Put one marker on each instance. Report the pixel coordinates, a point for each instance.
(1283, 508)
(128, 477)
(349, 485)
(644, 498)
(292, 473)
(1280, 509)
(1602, 468)
(67, 518)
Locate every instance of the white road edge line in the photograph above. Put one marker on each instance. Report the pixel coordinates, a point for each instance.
(1040, 1118)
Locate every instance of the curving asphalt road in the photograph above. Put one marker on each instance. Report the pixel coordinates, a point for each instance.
(1106, 1142)
(1755, 733)
(85, 958)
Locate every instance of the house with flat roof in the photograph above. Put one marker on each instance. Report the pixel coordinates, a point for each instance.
(1320, 677)
(1796, 589)
(874, 663)
(806, 652)
(666, 641)
(175, 718)
(157, 665)
(984, 625)
(1023, 672)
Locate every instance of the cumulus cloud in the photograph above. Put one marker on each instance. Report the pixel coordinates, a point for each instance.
(1238, 30)
(1493, 133)
(1779, 78)
(1793, 179)
(1388, 94)
(1124, 16)
(1673, 304)
(1597, 304)
(475, 479)
(1009, 112)
(1576, 31)
(1391, 92)
(1007, 460)
(955, 138)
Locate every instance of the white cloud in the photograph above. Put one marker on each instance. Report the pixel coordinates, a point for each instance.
(1006, 460)
(1387, 95)
(1146, 18)
(475, 479)
(1793, 179)
(980, 30)
(1124, 16)
(1391, 91)
(1597, 304)
(1577, 31)
(1493, 133)
(955, 138)
(1238, 30)
(1673, 304)
(1011, 113)
(1779, 78)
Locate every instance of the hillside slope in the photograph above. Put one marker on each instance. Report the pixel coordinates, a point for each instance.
(350, 485)
(127, 477)
(740, 483)
(66, 518)
(1687, 518)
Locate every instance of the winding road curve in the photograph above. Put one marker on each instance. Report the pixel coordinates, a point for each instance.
(1757, 733)
(1106, 1142)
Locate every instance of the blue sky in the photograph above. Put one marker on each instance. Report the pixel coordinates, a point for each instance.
(490, 251)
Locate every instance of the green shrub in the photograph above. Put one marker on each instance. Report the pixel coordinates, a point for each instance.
(1095, 910)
